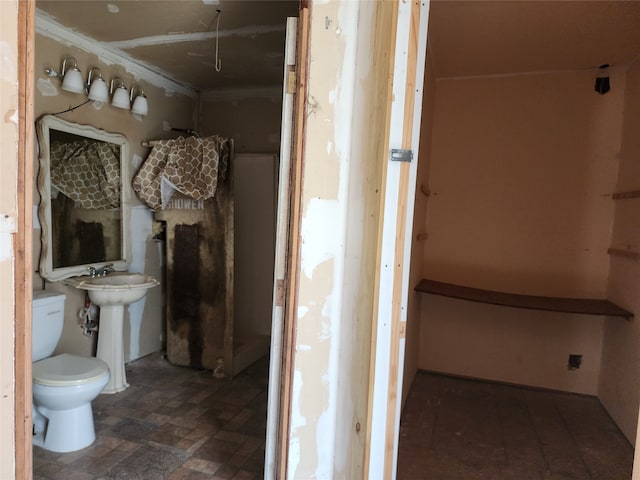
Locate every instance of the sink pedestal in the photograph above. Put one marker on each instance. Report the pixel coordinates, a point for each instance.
(110, 346)
(111, 293)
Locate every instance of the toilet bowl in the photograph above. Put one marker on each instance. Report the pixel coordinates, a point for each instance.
(63, 385)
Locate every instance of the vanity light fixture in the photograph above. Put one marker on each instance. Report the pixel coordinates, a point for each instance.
(140, 104)
(120, 98)
(72, 80)
(97, 88)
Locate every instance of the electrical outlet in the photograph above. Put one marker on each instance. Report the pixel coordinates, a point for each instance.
(574, 361)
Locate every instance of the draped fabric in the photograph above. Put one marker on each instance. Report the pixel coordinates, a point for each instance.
(192, 166)
(87, 171)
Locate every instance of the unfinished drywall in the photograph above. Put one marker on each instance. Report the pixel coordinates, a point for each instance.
(143, 332)
(521, 171)
(619, 387)
(420, 234)
(7, 310)
(344, 156)
(8, 224)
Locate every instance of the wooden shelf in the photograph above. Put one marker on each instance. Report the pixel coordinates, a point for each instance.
(626, 195)
(619, 252)
(587, 306)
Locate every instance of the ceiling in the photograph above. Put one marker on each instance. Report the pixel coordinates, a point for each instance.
(500, 37)
(177, 38)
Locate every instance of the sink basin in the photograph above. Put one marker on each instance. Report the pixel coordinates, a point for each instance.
(117, 288)
(111, 293)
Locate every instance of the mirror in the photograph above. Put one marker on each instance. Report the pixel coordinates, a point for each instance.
(84, 203)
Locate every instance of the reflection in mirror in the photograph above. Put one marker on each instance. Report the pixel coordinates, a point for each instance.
(83, 201)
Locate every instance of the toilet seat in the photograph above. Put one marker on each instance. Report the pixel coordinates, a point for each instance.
(68, 370)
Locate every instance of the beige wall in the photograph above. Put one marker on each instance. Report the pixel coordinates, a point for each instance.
(8, 222)
(521, 169)
(254, 243)
(619, 386)
(518, 346)
(251, 117)
(145, 319)
(412, 349)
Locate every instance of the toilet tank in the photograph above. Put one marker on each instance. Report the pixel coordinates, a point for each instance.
(48, 320)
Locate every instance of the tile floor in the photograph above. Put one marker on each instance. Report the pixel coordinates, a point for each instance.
(181, 424)
(456, 429)
(172, 423)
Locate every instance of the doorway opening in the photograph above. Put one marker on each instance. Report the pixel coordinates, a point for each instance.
(504, 202)
(266, 102)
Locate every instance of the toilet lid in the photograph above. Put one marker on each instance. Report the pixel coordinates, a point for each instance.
(66, 369)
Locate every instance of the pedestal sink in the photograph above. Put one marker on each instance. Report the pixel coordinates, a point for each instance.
(111, 293)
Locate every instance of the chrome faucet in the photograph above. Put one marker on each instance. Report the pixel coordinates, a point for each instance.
(100, 272)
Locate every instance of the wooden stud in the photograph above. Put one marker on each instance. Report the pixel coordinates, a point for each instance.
(396, 300)
(386, 21)
(23, 242)
(425, 190)
(421, 237)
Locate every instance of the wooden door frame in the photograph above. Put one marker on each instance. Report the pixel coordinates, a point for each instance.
(23, 242)
(282, 209)
(294, 239)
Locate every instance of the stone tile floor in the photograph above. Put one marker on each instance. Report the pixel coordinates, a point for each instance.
(172, 423)
(181, 424)
(456, 429)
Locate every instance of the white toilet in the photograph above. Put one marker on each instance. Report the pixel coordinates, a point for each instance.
(64, 385)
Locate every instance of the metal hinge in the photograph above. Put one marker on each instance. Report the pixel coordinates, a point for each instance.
(279, 293)
(291, 79)
(401, 155)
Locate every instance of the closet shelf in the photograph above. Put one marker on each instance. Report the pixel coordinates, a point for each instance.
(587, 306)
(619, 252)
(626, 195)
